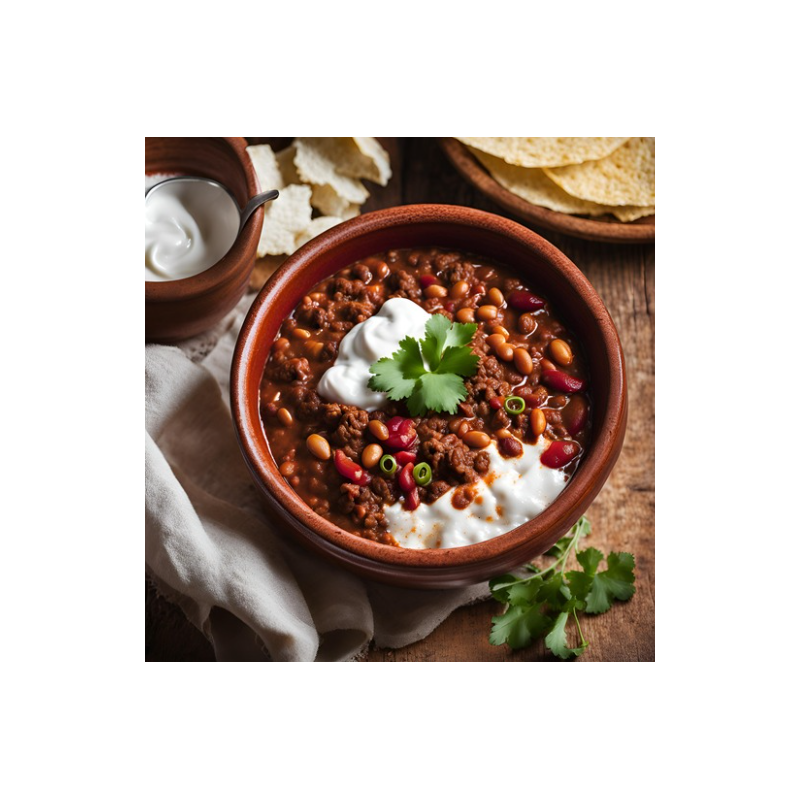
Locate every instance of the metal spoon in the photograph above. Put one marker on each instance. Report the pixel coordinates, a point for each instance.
(244, 213)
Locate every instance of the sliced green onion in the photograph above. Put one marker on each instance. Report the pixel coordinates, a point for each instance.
(388, 465)
(423, 474)
(514, 405)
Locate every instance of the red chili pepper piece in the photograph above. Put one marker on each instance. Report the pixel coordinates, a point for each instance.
(427, 280)
(561, 382)
(560, 453)
(401, 433)
(496, 403)
(521, 300)
(412, 499)
(405, 457)
(575, 414)
(405, 478)
(348, 468)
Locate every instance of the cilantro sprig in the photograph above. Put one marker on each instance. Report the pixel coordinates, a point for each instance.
(541, 605)
(429, 373)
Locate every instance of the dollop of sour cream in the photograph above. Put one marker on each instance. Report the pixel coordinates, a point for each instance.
(188, 227)
(375, 338)
(513, 491)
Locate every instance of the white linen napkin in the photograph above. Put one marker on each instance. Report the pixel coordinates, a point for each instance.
(211, 548)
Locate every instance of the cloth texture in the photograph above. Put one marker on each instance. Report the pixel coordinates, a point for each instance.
(211, 548)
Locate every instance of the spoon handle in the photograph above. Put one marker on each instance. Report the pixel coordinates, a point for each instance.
(254, 203)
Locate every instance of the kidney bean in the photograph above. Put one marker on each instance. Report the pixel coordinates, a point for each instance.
(576, 414)
(428, 280)
(405, 478)
(510, 446)
(521, 300)
(496, 402)
(411, 499)
(404, 457)
(349, 469)
(561, 382)
(560, 453)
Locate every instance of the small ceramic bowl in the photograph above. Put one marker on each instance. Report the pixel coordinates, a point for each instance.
(177, 309)
(539, 263)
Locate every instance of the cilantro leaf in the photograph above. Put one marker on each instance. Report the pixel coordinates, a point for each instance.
(519, 626)
(429, 374)
(436, 392)
(397, 375)
(436, 329)
(556, 640)
(598, 590)
(459, 360)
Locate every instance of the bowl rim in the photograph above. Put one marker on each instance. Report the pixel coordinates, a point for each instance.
(537, 532)
(232, 263)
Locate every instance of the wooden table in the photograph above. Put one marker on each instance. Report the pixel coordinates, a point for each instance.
(622, 516)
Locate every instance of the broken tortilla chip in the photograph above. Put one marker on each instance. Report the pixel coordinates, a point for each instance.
(284, 218)
(543, 151)
(626, 177)
(266, 166)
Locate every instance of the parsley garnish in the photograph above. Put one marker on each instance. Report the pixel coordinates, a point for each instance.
(541, 605)
(429, 373)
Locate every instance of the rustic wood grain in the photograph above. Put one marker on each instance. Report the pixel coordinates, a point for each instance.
(622, 516)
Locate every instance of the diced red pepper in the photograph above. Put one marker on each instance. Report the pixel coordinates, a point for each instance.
(401, 433)
(404, 457)
(412, 499)
(405, 478)
(348, 468)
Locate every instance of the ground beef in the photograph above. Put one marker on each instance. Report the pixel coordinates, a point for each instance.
(403, 284)
(293, 369)
(458, 271)
(350, 432)
(364, 507)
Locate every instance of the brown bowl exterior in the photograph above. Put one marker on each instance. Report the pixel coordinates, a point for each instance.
(175, 310)
(470, 230)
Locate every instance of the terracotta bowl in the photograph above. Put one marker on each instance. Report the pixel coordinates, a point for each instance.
(177, 309)
(548, 271)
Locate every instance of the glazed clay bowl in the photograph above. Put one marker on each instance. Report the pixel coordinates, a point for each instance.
(177, 309)
(549, 272)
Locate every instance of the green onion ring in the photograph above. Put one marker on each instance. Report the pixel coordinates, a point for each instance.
(423, 474)
(514, 405)
(388, 465)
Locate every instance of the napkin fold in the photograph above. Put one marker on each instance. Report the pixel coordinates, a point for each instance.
(211, 547)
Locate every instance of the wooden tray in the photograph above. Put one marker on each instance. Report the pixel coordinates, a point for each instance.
(597, 229)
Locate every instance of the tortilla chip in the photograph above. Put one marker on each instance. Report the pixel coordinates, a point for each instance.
(266, 166)
(626, 177)
(363, 157)
(317, 226)
(542, 151)
(284, 218)
(315, 166)
(325, 199)
(534, 186)
(285, 159)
